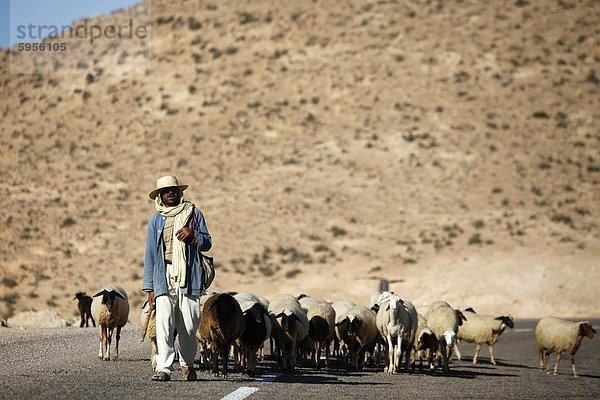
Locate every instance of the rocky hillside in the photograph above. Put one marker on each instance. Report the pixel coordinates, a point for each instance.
(450, 147)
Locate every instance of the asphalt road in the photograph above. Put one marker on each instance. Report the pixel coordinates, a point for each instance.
(62, 364)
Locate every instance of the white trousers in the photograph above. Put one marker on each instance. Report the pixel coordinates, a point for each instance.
(176, 311)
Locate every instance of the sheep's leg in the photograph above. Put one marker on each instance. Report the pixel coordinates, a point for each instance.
(390, 353)
(251, 360)
(546, 362)
(406, 353)
(398, 354)
(225, 359)
(353, 357)
(101, 338)
(458, 355)
(117, 343)
(430, 358)
(317, 355)
(294, 351)
(237, 358)
(573, 365)
(541, 359)
(444, 350)
(215, 361)
(336, 348)
(327, 354)
(557, 362)
(491, 350)
(282, 355)
(109, 333)
(477, 350)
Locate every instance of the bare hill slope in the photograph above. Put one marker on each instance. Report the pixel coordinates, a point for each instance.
(451, 147)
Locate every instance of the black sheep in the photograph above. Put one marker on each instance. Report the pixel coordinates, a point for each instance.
(85, 309)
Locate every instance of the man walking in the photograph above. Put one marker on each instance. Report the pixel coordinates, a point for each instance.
(173, 277)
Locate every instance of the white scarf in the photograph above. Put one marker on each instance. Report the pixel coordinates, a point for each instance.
(181, 214)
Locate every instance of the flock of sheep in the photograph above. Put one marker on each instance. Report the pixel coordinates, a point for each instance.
(300, 328)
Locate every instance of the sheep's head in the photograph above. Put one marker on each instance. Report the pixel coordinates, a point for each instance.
(586, 329)
(79, 295)
(506, 320)
(352, 322)
(426, 340)
(288, 320)
(461, 317)
(108, 297)
(257, 312)
(354, 325)
(449, 337)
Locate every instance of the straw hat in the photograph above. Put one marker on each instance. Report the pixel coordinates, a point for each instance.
(165, 182)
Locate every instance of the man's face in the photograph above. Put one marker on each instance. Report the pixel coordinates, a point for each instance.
(170, 196)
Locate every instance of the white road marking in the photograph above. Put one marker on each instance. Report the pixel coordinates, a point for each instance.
(522, 330)
(246, 391)
(240, 393)
(267, 378)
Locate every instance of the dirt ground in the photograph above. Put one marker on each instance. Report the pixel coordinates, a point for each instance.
(451, 148)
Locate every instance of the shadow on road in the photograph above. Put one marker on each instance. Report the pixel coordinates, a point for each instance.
(319, 379)
(467, 374)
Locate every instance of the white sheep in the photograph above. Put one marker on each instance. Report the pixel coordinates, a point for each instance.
(444, 321)
(340, 307)
(321, 327)
(290, 326)
(555, 335)
(481, 329)
(425, 341)
(397, 322)
(110, 309)
(358, 330)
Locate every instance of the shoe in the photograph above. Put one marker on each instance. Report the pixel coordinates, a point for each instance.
(161, 376)
(188, 373)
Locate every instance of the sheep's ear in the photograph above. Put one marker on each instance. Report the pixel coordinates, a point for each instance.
(341, 322)
(461, 317)
(470, 309)
(100, 293)
(281, 314)
(119, 295)
(508, 321)
(375, 307)
(300, 296)
(295, 317)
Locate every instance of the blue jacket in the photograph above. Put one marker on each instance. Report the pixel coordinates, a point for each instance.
(155, 277)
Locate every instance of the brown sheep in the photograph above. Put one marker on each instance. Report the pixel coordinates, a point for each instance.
(555, 335)
(220, 325)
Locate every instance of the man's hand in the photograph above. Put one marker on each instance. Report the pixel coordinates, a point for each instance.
(150, 298)
(185, 234)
